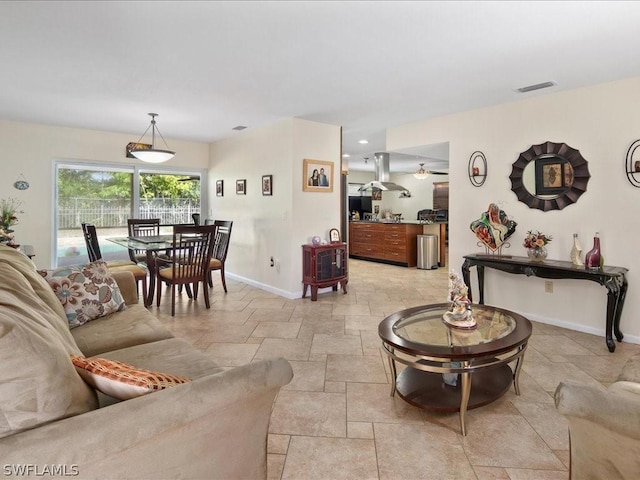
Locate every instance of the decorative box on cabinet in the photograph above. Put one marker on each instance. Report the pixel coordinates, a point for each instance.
(324, 266)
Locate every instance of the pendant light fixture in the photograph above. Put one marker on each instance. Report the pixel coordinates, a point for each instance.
(153, 154)
(422, 173)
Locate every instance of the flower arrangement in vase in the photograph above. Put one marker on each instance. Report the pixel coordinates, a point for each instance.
(9, 209)
(535, 243)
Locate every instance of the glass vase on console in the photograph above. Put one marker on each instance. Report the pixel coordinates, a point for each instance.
(537, 254)
(593, 259)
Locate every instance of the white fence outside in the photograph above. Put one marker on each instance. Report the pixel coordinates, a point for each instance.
(72, 212)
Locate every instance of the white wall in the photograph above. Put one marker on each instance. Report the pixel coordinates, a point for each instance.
(31, 149)
(276, 225)
(600, 121)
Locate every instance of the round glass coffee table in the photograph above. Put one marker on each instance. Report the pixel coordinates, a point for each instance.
(453, 369)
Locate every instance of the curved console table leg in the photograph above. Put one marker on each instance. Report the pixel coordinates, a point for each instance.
(619, 304)
(466, 276)
(612, 297)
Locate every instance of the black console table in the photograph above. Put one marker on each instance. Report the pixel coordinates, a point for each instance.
(613, 278)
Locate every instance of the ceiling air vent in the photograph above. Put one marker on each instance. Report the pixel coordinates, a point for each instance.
(239, 127)
(537, 86)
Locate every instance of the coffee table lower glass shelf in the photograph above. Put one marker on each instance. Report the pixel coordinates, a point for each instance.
(451, 369)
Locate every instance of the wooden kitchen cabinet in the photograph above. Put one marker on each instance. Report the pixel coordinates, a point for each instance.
(324, 266)
(394, 243)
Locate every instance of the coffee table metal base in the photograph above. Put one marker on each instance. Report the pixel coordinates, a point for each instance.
(427, 390)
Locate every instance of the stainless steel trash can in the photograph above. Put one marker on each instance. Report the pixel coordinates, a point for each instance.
(428, 252)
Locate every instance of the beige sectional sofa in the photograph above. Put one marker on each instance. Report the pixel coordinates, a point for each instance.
(604, 426)
(53, 424)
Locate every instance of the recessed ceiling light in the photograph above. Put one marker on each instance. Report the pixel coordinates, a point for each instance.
(537, 86)
(363, 141)
(346, 155)
(239, 127)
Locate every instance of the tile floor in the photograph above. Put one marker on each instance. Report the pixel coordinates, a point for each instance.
(336, 419)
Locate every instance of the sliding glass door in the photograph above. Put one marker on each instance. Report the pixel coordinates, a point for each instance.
(108, 195)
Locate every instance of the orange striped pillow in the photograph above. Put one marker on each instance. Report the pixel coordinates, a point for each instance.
(120, 380)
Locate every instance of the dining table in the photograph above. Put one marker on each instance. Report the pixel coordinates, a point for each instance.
(151, 245)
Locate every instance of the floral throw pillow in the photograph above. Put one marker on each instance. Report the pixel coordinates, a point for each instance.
(86, 291)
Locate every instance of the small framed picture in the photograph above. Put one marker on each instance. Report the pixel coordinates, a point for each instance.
(376, 194)
(267, 185)
(334, 235)
(241, 187)
(219, 188)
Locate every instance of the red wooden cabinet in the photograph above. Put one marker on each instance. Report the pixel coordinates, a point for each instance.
(324, 266)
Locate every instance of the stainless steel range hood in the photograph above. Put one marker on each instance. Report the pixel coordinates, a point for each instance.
(382, 176)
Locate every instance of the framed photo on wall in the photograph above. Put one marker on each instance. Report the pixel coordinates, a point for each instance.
(219, 188)
(241, 187)
(550, 175)
(317, 176)
(267, 185)
(376, 194)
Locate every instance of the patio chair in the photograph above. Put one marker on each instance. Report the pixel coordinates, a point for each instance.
(188, 263)
(93, 252)
(220, 249)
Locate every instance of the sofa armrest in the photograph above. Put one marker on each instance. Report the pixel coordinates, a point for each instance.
(616, 408)
(604, 429)
(213, 427)
(127, 285)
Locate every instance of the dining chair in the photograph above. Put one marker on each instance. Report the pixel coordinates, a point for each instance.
(220, 249)
(142, 227)
(188, 263)
(209, 221)
(94, 253)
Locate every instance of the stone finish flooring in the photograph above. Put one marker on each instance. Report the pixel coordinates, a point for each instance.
(337, 420)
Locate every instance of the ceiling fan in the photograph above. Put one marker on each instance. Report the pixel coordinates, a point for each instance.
(421, 174)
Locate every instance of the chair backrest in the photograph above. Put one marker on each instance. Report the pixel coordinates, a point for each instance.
(91, 239)
(192, 250)
(208, 221)
(426, 214)
(223, 234)
(142, 227)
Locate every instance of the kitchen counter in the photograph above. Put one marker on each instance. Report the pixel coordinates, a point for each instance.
(393, 242)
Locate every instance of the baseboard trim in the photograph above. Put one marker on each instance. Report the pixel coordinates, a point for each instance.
(577, 327)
